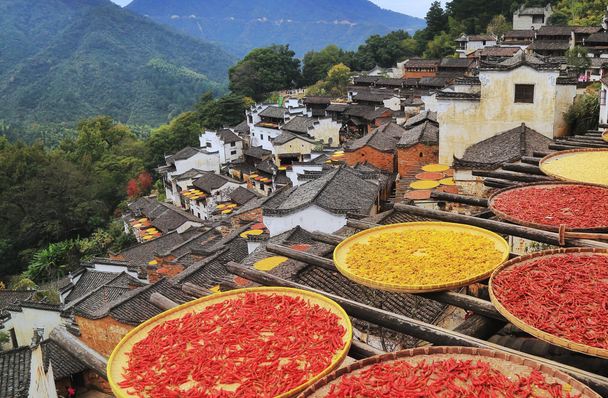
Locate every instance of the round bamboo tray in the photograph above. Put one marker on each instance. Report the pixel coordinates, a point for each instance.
(549, 184)
(118, 359)
(563, 154)
(510, 365)
(341, 253)
(605, 135)
(559, 341)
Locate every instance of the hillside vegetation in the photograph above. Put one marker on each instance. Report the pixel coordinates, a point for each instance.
(64, 60)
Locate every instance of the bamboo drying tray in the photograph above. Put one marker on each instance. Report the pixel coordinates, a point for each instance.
(341, 253)
(508, 364)
(605, 135)
(563, 154)
(559, 341)
(118, 359)
(548, 184)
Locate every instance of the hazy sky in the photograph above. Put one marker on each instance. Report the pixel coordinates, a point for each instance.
(409, 7)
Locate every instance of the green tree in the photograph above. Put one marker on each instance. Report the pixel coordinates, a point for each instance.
(264, 70)
(99, 134)
(584, 114)
(578, 59)
(441, 46)
(384, 51)
(316, 64)
(436, 20)
(498, 26)
(51, 263)
(338, 78)
(4, 339)
(558, 18)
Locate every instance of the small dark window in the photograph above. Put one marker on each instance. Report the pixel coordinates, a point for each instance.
(13, 338)
(484, 42)
(524, 93)
(420, 154)
(208, 145)
(261, 136)
(538, 19)
(233, 144)
(233, 152)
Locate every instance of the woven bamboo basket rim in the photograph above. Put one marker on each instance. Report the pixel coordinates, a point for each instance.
(562, 154)
(341, 252)
(119, 357)
(548, 337)
(544, 184)
(605, 135)
(455, 352)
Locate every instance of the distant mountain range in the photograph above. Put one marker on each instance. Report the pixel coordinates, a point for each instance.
(303, 24)
(63, 60)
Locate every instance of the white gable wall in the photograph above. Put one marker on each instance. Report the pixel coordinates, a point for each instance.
(311, 218)
(26, 321)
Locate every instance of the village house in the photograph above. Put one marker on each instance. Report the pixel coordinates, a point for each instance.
(165, 217)
(322, 129)
(265, 121)
(23, 374)
(419, 144)
(226, 143)
(491, 153)
(466, 44)
(378, 147)
(417, 68)
(556, 40)
(520, 38)
(531, 17)
(524, 88)
(316, 105)
(322, 204)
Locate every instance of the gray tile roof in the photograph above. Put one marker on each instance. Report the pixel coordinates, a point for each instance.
(194, 243)
(287, 136)
(299, 124)
(421, 63)
(256, 152)
(266, 166)
(8, 297)
(373, 115)
(64, 363)
(358, 110)
(499, 51)
(426, 133)
(192, 173)
(316, 100)
(274, 112)
(98, 298)
(371, 97)
(242, 195)
(550, 45)
(339, 191)
(89, 281)
(15, 372)
(565, 30)
(142, 253)
(600, 37)
(212, 181)
(228, 136)
(456, 62)
(242, 127)
(482, 38)
(434, 81)
(504, 147)
(528, 34)
(458, 95)
(532, 11)
(182, 154)
(383, 138)
(336, 108)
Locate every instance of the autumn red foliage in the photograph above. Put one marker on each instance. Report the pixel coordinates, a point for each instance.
(145, 181)
(133, 190)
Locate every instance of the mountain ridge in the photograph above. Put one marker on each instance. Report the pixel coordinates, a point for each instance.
(250, 24)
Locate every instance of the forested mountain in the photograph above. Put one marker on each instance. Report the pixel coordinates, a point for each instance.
(304, 25)
(64, 60)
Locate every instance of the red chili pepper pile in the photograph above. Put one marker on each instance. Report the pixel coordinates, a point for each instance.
(257, 345)
(577, 206)
(448, 378)
(566, 296)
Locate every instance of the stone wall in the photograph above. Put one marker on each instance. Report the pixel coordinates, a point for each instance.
(383, 160)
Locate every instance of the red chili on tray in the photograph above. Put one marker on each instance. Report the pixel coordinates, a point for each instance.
(577, 206)
(256, 345)
(566, 296)
(445, 378)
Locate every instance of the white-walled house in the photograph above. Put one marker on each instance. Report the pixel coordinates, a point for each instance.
(218, 188)
(226, 143)
(602, 101)
(522, 89)
(466, 44)
(322, 204)
(531, 17)
(265, 121)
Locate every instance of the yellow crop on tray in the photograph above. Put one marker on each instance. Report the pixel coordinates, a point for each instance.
(585, 167)
(423, 257)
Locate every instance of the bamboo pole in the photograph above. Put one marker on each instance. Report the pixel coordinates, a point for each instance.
(464, 199)
(551, 238)
(511, 176)
(523, 168)
(87, 355)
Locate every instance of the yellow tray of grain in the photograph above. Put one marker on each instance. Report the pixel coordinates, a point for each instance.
(442, 371)
(420, 257)
(226, 322)
(580, 165)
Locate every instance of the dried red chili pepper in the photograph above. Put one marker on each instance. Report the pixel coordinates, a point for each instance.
(564, 295)
(257, 345)
(577, 206)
